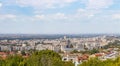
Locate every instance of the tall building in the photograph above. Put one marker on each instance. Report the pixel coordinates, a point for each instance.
(65, 37)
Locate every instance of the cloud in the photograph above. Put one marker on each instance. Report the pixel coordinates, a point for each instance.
(97, 4)
(81, 15)
(80, 10)
(87, 13)
(8, 16)
(39, 16)
(0, 4)
(44, 3)
(59, 16)
(116, 16)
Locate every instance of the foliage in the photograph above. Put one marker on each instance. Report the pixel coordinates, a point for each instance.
(50, 58)
(74, 51)
(93, 51)
(97, 62)
(115, 44)
(38, 58)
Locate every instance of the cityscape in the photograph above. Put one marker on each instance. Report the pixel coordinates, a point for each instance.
(77, 50)
(59, 33)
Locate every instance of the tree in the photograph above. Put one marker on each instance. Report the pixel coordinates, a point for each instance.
(15, 61)
(97, 62)
(94, 51)
(38, 58)
(74, 51)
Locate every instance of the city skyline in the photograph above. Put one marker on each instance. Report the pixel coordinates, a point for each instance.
(59, 16)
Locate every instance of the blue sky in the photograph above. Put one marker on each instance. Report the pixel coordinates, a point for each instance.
(59, 16)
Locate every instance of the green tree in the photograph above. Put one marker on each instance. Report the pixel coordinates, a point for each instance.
(38, 58)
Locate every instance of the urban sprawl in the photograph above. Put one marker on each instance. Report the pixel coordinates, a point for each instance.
(76, 50)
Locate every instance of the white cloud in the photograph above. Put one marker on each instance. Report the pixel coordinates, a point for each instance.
(65, 17)
(87, 13)
(8, 16)
(44, 3)
(49, 17)
(80, 10)
(97, 4)
(0, 4)
(116, 16)
(59, 16)
(40, 16)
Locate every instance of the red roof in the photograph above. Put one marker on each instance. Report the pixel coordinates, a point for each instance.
(3, 53)
(98, 54)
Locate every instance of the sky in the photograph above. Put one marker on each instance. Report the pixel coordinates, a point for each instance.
(59, 16)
